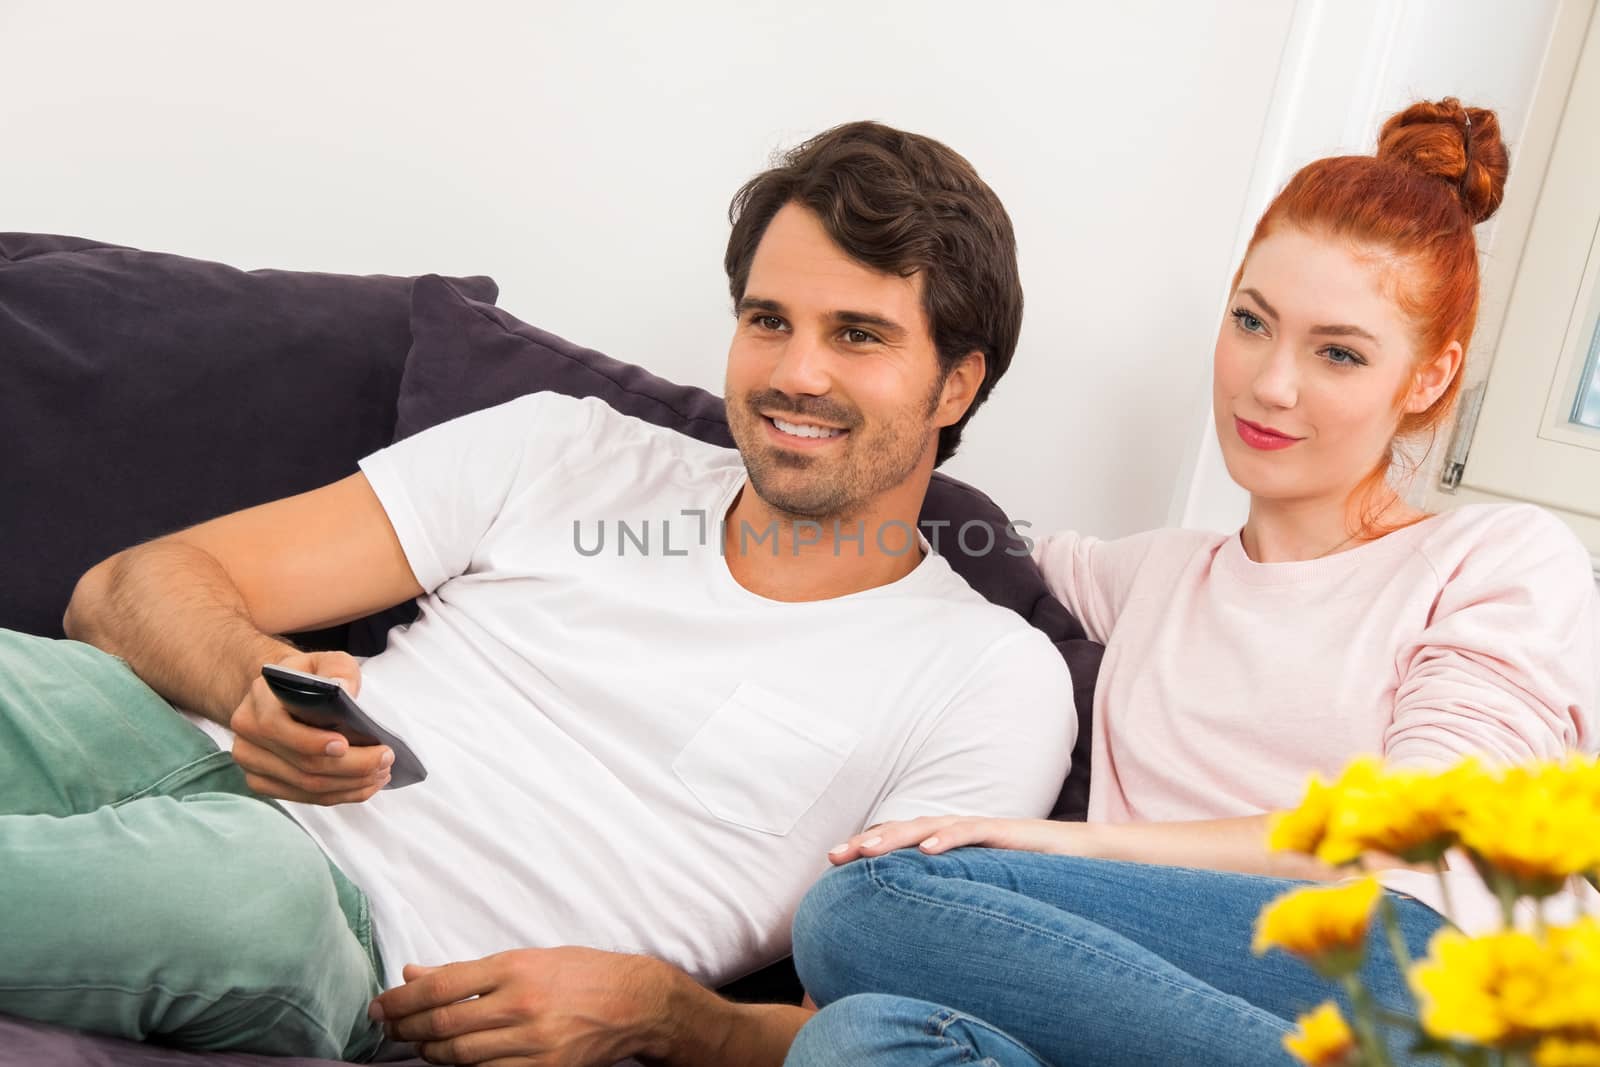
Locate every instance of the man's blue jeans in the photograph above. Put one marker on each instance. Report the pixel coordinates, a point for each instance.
(1017, 958)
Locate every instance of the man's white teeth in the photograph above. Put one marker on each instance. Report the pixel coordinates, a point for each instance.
(805, 431)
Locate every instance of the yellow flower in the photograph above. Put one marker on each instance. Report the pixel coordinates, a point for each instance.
(1408, 813)
(1483, 990)
(1583, 784)
(1323, 1040)
(1537, 824)
(1324, 926)
(1559, 1052)
(1302, 830)
(1509, 988)
(1412, 814)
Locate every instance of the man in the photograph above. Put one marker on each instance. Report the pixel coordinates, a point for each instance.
(644, 750)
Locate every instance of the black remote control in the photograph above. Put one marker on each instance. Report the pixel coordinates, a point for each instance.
(323, 703)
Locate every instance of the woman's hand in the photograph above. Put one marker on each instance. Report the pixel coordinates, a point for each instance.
(934, 834)
(1232, 844)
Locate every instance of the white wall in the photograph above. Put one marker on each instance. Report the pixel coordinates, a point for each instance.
(584, 154)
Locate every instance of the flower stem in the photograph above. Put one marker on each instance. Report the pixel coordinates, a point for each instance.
(1444, 892)
(1507, 894)
(1373, 1052)
(1394, 1018)
(1397, 943)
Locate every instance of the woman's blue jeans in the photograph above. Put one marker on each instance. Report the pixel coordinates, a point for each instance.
(1018, 958)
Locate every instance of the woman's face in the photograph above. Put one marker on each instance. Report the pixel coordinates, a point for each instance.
(1313, 365)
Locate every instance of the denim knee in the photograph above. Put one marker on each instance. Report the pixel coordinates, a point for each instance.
(821, 945)
(848, 929)
(861, 1028)
(882, 1029)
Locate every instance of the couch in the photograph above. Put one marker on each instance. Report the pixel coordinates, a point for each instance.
(143, 392)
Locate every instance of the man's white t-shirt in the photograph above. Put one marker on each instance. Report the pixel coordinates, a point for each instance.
(627, 749)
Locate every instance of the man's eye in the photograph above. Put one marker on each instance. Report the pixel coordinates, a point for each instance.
(769, 322)
(857, 336)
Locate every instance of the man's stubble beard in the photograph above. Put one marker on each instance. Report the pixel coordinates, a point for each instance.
(868, 467)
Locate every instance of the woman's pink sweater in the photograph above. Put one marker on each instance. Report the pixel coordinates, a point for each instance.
(1227, 682)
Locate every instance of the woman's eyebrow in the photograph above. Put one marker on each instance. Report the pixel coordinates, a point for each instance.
(1330, 331)
(1255, 294)
(1344, 331)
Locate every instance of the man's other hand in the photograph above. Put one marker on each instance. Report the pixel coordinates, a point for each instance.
(289, 760)
(559, 1007)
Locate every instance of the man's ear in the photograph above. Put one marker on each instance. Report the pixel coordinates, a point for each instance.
(1433, 378)
(960, 388)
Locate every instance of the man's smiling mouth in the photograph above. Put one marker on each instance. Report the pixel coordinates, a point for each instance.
(805, 429)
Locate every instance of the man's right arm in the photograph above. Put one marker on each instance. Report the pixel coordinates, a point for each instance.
(195, 613)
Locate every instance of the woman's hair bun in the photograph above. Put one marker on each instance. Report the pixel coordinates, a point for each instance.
(1458, 145)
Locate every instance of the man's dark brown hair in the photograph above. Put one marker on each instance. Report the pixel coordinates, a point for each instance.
(902, 204)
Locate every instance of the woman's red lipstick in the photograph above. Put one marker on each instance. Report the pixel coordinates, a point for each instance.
(1260, 437)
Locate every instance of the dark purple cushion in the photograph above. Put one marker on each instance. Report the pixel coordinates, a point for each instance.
(142, 392)
(30, 1044)
(467, 355)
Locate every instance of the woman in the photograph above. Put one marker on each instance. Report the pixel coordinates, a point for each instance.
(1338, 621)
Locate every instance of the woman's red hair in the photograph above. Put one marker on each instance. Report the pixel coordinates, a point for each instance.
(1440, 169)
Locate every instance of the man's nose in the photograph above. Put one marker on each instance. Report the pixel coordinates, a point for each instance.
(803, 368)
(1276, 384)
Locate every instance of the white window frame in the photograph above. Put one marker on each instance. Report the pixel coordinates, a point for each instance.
(1492, 454)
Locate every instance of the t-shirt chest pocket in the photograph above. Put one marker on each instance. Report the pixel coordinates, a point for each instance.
(761, 761)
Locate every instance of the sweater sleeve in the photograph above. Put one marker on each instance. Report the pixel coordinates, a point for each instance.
(1508, 665)
(1092, 577)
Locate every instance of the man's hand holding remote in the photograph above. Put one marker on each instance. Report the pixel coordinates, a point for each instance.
(289, 760)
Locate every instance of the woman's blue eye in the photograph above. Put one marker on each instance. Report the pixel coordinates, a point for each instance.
(1248, 322)
(1343, 357)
